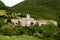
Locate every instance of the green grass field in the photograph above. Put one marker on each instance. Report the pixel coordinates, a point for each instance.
(2, 12)
(23, 37)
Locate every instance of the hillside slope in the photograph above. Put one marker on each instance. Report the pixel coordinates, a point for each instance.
(44, 9)
(39, 9)
(2, 6)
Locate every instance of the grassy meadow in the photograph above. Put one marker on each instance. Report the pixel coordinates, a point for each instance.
(23, 37)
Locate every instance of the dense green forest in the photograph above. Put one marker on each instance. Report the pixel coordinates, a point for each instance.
(45, 9)
(39, 9)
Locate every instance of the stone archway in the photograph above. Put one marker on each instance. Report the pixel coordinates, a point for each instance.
(31, 23)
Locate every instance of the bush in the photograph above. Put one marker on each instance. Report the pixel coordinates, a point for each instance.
(48, 30)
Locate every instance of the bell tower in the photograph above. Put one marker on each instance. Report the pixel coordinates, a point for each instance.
(28, 16)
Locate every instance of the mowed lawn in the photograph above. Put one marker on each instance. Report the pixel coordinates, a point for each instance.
(2, 12)
(23, 37)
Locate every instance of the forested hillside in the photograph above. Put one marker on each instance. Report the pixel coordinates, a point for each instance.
(38, 9)
(2, 6)
(45, 9)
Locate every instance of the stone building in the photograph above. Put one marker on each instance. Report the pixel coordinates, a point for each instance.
(40, 22)
(28, 20)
